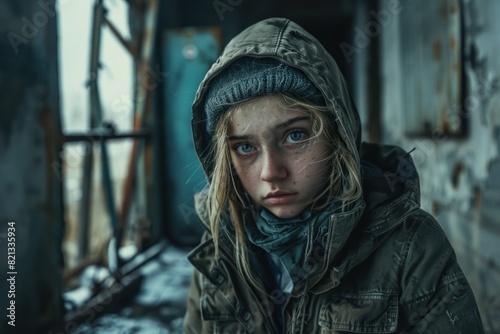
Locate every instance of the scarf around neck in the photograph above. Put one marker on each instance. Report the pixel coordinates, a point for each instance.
(285, 239)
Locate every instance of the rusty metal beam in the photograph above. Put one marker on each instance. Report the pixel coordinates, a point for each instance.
(96, 136)
(142, 97)
(128, 45)
(95, 117)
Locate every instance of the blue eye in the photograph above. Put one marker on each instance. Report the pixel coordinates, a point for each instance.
(244, 149)
(295, 136)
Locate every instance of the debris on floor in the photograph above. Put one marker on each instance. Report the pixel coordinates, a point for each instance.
(158, 305)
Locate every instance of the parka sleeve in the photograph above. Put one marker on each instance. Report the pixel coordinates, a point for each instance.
(192, 318)
(435, 294)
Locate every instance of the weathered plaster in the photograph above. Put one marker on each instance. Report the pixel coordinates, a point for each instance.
(458, 174)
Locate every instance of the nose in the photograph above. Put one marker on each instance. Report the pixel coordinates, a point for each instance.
(273, 166)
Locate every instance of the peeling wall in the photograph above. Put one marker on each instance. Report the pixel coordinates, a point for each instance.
(459, 173)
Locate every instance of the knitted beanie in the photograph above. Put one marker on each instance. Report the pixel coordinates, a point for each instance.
(247, 78)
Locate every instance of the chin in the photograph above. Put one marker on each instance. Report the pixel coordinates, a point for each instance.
(285, 213)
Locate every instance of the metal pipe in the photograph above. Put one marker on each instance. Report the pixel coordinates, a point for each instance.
(126, 44)
(95, 116)
(95, 136)
(141, 96)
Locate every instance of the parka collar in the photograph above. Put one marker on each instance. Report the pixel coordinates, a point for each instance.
(319, 257)
(327, 249)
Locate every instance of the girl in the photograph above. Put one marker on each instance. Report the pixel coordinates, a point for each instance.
(308, 229)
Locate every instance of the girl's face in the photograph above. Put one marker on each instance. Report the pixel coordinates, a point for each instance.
(280, 167)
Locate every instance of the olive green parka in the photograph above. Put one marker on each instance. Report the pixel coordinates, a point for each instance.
(384, 266)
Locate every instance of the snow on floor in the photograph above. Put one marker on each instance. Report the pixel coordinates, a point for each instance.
(160, 304)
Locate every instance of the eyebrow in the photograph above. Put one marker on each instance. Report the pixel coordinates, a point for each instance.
(277, 127)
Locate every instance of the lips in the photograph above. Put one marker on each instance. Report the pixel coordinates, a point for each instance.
(279, 197)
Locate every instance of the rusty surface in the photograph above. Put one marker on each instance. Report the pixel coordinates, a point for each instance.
(443, 10)
(453, 43)
(457, 172)
(30, 138)
(95, 118)
(437, 51)
(432, 100)
(126, 44)
(142, 98)
(445, 124)
(476, 204)
(435, 208)
(141, 47)
(459, 175)
(127, 189)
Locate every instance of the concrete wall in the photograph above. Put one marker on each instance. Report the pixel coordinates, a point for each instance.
(457, 152)
(30, 142)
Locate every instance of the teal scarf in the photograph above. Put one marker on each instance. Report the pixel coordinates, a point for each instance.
(286, 239)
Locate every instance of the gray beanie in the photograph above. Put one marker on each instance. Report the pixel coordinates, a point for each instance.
(252, 77)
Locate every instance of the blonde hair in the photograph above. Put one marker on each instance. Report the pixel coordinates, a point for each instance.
(227, 202)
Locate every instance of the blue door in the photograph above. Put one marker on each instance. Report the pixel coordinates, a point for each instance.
(188, 54)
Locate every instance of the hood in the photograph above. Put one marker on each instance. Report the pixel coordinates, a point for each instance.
(287, 42)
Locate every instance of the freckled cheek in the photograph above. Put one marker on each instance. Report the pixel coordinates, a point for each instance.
(309, 166)
(304, 164)
(248, 176)
(253, 176)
